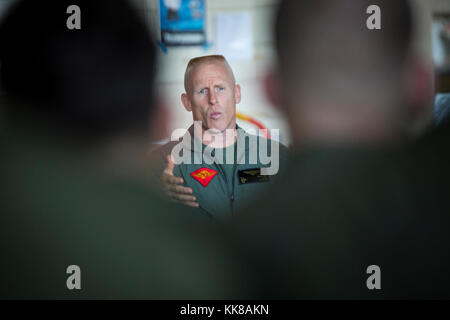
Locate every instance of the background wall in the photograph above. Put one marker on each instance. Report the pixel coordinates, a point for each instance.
(248, 73)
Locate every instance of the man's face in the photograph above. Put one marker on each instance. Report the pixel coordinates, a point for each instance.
(212, 96)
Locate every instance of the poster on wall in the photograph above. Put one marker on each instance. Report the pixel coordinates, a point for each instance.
(234, 36)
(182, 22)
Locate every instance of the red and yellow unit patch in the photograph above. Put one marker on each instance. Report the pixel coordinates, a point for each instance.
(204, 175)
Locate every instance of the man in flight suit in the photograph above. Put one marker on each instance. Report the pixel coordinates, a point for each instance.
(219, 165)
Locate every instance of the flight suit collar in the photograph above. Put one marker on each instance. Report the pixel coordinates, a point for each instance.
(196, 147)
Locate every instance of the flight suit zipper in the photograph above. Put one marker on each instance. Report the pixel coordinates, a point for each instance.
(232, 190)
(232, 180)
(222, 171)
(224, 175)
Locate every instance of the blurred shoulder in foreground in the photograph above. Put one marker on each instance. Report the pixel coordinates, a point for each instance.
(357, 193)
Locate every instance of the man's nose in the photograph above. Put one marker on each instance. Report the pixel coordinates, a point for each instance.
(212, 97)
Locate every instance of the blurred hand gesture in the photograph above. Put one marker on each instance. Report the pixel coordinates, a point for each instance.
(174, 189)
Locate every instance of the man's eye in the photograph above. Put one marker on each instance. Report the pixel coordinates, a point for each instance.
(220, 88)
(203, 91)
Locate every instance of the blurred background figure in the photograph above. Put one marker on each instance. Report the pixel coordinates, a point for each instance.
(354, 196)
(77, 109)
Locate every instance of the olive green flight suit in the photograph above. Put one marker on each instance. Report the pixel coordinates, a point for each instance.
(231, 176)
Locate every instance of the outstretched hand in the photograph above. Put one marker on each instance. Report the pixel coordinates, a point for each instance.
(173, 187)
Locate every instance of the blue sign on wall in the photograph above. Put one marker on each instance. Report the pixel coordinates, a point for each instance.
(182, 22)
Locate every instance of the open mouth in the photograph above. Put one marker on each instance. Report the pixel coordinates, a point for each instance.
(216, 115)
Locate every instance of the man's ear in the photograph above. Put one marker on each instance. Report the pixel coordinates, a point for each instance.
(418, 87)
(186, 102)
(237, 94)
(271, 87)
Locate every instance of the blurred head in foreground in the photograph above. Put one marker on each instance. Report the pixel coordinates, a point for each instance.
(91, 85)
(340, 82)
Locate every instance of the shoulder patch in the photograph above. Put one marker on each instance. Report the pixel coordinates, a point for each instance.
(204, 175)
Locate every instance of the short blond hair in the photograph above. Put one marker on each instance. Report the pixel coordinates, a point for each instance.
(197, 61)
